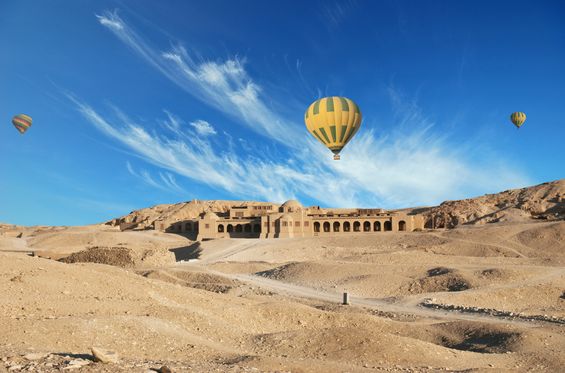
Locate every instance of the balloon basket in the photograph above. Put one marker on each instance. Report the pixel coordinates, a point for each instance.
(337, 157)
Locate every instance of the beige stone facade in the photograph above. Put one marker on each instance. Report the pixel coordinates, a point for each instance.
(290, 219)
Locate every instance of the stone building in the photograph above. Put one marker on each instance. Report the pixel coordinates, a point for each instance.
(291, 219)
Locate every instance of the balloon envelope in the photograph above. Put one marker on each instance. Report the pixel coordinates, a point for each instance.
(518, 118)
(333, 121)
(22, 122)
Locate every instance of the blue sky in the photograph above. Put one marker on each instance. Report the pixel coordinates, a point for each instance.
(142, 102)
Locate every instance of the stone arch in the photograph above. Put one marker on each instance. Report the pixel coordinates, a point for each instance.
(377, 226)
(388, 226)
(336, 226)
(346, 226)
(326, 226)
(316, 226)
(230, 228)
(247, 228)
(402, 225)
(188, 227)
(367, 226)
(238, 228)
(220, 228)
(356, 226)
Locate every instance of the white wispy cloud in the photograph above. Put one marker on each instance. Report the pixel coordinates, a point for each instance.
(170, 181)
(203, 128)
(389, 171)
(130, 169)
(337, 12)
(224, 85)
(108, 22)
(410, 165)
(167, 181)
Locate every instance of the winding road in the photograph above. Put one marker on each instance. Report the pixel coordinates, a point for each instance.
(409, 305)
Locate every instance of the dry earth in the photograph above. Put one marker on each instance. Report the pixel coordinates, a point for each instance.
(544, 201)
(478, 298)
(273, 305)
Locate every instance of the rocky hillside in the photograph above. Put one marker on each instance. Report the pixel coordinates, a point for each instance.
(175, 212)
(544, 201)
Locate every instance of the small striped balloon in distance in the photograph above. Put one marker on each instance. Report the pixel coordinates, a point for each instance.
(22, 122)
(518, 118)
(333, 121)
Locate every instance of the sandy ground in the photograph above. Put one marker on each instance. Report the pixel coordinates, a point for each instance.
(482, 298)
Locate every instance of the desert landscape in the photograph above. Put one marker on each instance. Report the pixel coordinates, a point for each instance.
(481, 289)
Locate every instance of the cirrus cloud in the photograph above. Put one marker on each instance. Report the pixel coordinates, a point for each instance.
(411, 165)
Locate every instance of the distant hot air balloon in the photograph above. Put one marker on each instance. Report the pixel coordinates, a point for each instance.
(333, 121)
(518, 118)
(22, 122)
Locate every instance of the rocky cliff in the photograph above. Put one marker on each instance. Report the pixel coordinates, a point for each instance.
(543, 201)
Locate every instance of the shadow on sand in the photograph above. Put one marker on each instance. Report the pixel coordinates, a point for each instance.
(187, 252)
(75, 356)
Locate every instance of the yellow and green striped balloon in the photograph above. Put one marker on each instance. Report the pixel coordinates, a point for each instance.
(22, 122)
(333, 121)
(518, 118)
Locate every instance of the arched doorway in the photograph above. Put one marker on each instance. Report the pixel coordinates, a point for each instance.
(247, 228)
(356, 226)
(326, 226)
(230, 228)
(336, 226)
(238, 228)
(388, 226)
(402, 225)
(377, 226)
(257, 228)
(316, 226)
(188, 227)
(220, 228)
(346, 226)
(367, 226)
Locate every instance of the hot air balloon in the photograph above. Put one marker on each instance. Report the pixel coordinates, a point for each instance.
(518, 118)
(333, 121)
(22, 122)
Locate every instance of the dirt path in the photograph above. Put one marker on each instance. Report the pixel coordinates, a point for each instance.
(377, 304)
(408, 306)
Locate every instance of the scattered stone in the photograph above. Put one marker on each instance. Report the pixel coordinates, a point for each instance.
(17, 278)
(79, 362)
(165, 369)
(71, 367)
(104, 356)
(493, 312)
(34, 356)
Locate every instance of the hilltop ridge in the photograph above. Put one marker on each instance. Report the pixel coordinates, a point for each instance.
(544, 201)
